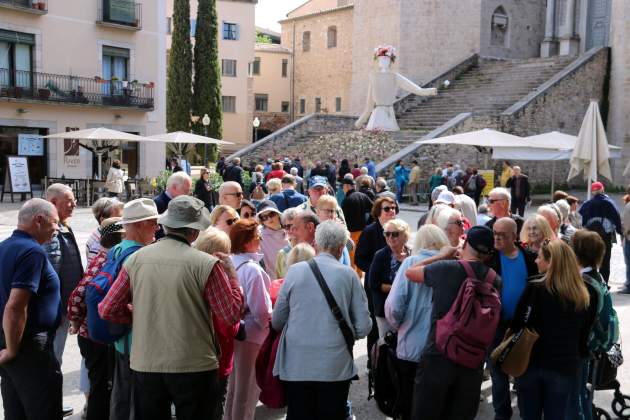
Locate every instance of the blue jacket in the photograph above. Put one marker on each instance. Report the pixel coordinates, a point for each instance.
(402, 175)
(408, 309)
(371, 167)
(286, 199)
(601, 208)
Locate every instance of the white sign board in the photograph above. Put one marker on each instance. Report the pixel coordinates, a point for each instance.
(30, 145)
(18, 172)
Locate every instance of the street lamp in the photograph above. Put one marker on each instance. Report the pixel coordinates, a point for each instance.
(256, 124)
(206, 122)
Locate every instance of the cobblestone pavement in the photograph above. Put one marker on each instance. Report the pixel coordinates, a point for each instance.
(83, 223)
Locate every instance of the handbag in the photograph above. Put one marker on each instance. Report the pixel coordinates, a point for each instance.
(512, 355)
(271, 387)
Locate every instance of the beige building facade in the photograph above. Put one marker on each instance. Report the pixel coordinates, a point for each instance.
(70, 66)
(237, 36)
(272, 87)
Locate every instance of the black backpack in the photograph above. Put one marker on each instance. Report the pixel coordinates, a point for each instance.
(384, 381)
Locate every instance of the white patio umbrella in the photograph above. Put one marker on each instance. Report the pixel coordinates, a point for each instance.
(591, 152)
(97, 134)
(480, 138)
(180, 138)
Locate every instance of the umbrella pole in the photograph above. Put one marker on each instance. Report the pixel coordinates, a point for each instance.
(553, 177)
(99, 156)
(588, 188)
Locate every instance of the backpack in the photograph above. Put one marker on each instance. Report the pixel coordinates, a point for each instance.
(384, 382)
(605, 331)
(471, 184)
(100, 330)
(465, 333)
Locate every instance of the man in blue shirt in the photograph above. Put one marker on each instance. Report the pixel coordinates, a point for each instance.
(288, 197)
(30, 301)
(371, 167)
(515, 265)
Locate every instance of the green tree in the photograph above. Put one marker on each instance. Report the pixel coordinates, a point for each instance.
(178, 86)
(207, 84)
(262, 38)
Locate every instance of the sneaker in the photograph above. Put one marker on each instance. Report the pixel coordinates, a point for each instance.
(67, 411)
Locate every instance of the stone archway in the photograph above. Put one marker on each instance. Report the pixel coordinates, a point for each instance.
(499, 32)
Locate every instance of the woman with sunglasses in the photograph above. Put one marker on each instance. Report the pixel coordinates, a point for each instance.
(247, 210)
(223, 218)
(371, 241)
(273, 236)
(451, 222)
(560, 315)
(203, 189)
(383, 269)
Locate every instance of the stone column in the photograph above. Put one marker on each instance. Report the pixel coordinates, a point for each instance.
(549, 44)
(569, 42)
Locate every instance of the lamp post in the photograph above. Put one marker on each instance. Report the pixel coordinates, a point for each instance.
(206, 122)
(256, 124)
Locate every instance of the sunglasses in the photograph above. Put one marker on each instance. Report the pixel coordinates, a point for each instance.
(265, 217)
(494, 200)
(457, 222)
(387, 209)
(236, 194)
(230, 222)
(247, 215)
(392, 234)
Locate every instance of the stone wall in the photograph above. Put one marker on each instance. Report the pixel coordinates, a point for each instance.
(525, 31)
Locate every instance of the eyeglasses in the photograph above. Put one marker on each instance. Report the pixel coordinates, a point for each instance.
(236, 194)
(392, 234)
(230, 222)
(457, 222)
(265, 217)
(387, 209)
(494, 200)
(500, 235)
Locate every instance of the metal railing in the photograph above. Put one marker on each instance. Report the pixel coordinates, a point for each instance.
(69, 89)
(27, 5)
(120, 12)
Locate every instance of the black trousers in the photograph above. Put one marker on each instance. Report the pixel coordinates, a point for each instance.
(121, 404)
(604, 270)
(407, 376)
(195, 395)
(517, 207)
(445, 391)
(317, 400)
(372, 337)
(99, 361)
(31, 383)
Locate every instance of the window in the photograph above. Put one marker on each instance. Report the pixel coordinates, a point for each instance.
(302, 106)
(16, 63)
(230, 31)
(285, 67)
(228, 68)
(193, 27)
(169, 25)
(284, 107)
(337, 104)
(306, 41)
(318, 104)
(256, 66)
(115, 66)
(229, 103)
(332, 37)
(261, 102)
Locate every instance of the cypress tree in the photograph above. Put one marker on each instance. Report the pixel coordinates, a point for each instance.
(207, 84)
(178, 87)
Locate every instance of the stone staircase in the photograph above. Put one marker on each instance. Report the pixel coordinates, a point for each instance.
(489, 87)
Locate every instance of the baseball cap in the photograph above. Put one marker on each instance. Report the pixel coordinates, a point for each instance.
(597, 186)
(318, 181)
(481, 239)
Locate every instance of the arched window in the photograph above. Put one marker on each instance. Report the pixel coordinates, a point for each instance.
(306, 41)
(499, 30)
(332, 36)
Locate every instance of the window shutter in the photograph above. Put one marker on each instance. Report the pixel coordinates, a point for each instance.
(115, 52)
(17, 37)
(236, 29)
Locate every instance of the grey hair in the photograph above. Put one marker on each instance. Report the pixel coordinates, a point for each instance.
(308, 216)
(33, 208)
(57, 190)
(432, 215)
(228, 184)
(445, 216)
(381, 183)
(293, 171)
(177, 179)
(429, 237)
(503, 192)
(331, 236)
(104, 207)
(288, 215)
(565, 209)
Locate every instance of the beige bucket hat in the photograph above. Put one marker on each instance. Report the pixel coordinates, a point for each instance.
(138, 210)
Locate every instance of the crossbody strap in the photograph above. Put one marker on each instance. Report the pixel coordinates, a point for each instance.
(346, 331)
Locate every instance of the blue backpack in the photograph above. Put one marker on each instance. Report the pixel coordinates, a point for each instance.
(605, 331)
(98, 329)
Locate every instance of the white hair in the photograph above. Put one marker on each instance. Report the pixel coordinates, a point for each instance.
(564, 207)
(57, 190)
(445, 217)
(177, 179)
(503, 192)
(294, 171)
(289, 214)
(400, 225)
(228, 184)
(33, 208)
(429, 237)
(300, 252)
(331, 236)
(432, 215)
(104, 207)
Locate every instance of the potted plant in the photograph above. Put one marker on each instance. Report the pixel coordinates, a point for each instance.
(149, 84)
(35, 4)
(41, 5)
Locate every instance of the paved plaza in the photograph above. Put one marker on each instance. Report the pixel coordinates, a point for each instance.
(83, 223)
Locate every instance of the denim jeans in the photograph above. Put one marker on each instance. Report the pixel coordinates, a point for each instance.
(626, 257)
(544, 392)
(400, 190)
(579, 406)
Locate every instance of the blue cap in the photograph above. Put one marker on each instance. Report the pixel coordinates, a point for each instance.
(318, 181)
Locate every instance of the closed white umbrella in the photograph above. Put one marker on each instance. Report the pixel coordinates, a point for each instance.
(591, 152)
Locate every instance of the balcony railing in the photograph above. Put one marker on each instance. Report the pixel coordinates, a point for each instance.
(120, 13)
(65, 89)
(39, 7)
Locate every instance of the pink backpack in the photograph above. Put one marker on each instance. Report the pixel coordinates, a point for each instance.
(465, 333)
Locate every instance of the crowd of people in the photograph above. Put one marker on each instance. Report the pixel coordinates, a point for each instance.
(180, 294)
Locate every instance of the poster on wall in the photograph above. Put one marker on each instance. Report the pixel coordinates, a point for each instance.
(488, 175)
(30, 145)
(18, 174)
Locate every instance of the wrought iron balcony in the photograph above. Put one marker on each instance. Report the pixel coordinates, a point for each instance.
(38, 7)
(63, 89)
(123, 14)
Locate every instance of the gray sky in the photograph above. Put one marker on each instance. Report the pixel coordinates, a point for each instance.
(269, 12)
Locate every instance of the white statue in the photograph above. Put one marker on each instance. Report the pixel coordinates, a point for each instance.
(382, 93)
